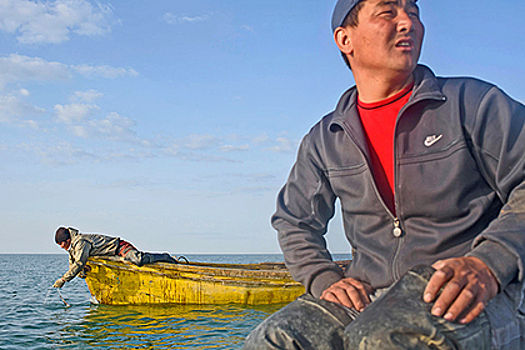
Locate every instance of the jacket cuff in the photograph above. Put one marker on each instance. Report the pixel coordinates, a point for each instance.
(322, 281)
(499, 260)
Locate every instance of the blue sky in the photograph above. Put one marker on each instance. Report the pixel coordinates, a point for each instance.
(174, 123)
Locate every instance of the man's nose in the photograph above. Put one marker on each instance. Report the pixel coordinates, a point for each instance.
(405, 22)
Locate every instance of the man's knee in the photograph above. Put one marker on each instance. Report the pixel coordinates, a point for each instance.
(400, 319)
(136, 257)
(306, 323)
(268, 335)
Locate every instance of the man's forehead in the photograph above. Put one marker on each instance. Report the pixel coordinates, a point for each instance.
(343, 7)
(391, 2)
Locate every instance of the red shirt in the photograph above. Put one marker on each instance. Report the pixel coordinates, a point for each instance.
(379, 122)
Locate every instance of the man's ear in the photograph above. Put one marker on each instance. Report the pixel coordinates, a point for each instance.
(343, 41)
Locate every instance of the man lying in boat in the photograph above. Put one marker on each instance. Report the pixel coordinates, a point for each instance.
(83, 245)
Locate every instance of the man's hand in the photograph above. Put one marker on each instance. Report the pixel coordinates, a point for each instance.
(59, 283)
(350, 293)
(467, 284)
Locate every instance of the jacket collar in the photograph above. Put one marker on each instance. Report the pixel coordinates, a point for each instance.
(426, 86)
(74, 234)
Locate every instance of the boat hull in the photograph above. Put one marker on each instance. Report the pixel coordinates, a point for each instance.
(112, 281)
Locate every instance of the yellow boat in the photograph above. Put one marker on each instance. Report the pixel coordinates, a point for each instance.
(112, 281)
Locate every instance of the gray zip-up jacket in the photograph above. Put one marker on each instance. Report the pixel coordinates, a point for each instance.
(84, 245)
(459, 158)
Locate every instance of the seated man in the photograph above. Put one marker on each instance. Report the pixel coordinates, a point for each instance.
(428, 170)
(82, 245)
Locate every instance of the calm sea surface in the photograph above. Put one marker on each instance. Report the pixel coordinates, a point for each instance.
(32, 315)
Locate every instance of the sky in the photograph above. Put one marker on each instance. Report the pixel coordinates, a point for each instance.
(173, 124)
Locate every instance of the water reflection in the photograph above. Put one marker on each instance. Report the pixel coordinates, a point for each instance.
(168, 327)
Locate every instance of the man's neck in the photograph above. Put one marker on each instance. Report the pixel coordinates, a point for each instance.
(376, 88)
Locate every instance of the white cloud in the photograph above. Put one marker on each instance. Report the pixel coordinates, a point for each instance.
(113, 126)
(195, 157)
(86, 96)
(172, 150)
(54, 21)
(104, 71)
(200, 142)
(181, 19)
(261, 139)
(74, 113)
(32, 124)
(231, 148)
(14, 110)
(248, 28)
(62, 153)
(79, 118)
(284, 145)
(79, 131)
(17, 68)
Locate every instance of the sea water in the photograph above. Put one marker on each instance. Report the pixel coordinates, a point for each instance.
(34, 316)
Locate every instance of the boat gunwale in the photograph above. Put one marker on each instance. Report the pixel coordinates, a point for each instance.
(214, 272)
(215, 275)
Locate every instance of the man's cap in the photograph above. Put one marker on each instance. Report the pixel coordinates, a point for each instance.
(341, 10)
(62, 234)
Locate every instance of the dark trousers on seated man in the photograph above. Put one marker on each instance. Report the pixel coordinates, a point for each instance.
(397, 318)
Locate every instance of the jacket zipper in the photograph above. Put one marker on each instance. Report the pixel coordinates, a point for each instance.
(397, 232)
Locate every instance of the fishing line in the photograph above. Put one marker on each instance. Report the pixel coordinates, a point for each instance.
(47, 295)
(62, 298)
(59, 294)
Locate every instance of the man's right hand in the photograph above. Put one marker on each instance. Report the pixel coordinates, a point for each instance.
(350, 293)
(59, 283)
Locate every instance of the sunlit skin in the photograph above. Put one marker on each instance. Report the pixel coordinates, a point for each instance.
(384, 48)
(65, 244)
(383, 51)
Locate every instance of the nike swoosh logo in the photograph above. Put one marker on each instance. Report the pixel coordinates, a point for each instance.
(430, 140)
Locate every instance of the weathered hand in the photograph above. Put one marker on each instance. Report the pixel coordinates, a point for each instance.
(350, 293)
(59, 283)
(467, 284)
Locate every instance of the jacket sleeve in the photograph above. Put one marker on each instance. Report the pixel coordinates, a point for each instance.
(304, 206)
(498, 141)
(77, 259)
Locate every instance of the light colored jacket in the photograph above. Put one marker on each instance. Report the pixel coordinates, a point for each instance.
(83, 246)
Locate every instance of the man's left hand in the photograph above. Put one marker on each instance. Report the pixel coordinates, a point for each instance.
(467, 284)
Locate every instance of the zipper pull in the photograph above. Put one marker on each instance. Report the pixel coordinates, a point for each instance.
(397, 232)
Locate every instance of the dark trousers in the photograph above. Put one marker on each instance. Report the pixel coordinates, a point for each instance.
(139, 258)
(398, 319)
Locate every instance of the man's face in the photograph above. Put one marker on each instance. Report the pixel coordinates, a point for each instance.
(65, 244)
(387, 38)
